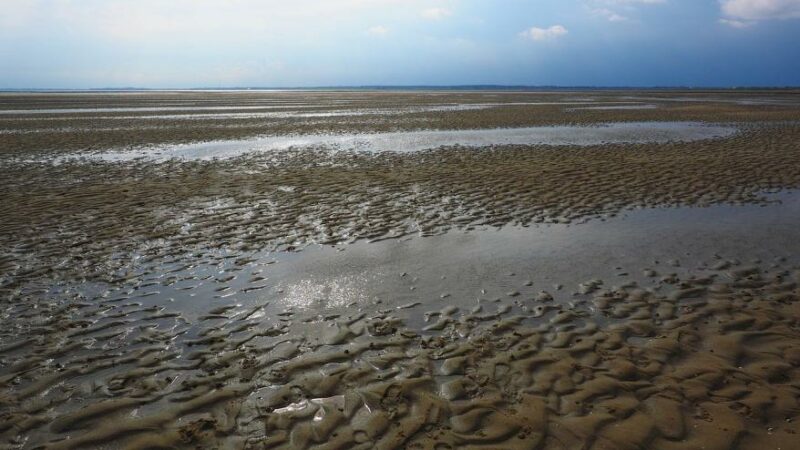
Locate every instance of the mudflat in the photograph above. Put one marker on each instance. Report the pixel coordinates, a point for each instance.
(385, 269)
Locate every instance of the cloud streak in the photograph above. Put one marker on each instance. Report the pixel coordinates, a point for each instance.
(618, 10)
(436, 13)
(739, 11)
(151, 20)
(609, 15)
(378, 30)
(153, 43)
(544, 34)
(633, 2)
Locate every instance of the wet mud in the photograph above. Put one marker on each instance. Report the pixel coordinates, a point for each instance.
(607, 295)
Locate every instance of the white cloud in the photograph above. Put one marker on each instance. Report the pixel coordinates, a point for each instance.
(736, 23)
(611, 9)
(16, 13)
(609, 15)
(630, 2)
(158, 21)
(436, 13)
(544, 34)
(378, 30)
(741, 11)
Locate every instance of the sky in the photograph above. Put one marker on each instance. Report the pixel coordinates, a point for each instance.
(77, 44)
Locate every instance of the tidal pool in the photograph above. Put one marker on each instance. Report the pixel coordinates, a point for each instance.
(414, 141)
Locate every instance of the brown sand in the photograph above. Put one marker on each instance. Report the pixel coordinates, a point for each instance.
(708, 361)
(119, 326)
(90, 211)
(22, 134)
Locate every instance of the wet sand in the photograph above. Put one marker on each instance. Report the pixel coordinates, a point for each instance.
(503, 295)
(417, 141)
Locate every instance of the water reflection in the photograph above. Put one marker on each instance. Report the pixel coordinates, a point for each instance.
(412, 141)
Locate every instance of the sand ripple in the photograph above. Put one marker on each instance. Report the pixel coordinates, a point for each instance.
(138, 304)
(705, 361)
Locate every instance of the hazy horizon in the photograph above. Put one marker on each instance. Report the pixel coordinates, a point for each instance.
(442, 87)
(212, 44)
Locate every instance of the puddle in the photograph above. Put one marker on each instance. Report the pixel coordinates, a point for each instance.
(282, 114)
(295, 114)
(456, 267)
(479, 298)
(482, 266)
(413, 141)
(750, 101)
(614, 107)
(153, 109)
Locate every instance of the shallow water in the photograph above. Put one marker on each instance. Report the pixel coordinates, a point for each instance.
(614, 108)
(152, 109)
(463, 263)
(197, 317)
(143, 309)
(467, 268)
(791, 101)
(286, 106)
(414, 141)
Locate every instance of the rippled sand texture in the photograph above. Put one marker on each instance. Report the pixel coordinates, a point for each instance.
(417, 141)
(288, 199)
(705, 361)
(129, 120)
(155, 303)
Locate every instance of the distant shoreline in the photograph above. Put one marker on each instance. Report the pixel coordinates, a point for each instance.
(453, 88)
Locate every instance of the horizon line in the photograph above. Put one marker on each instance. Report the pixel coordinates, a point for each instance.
(490, 87)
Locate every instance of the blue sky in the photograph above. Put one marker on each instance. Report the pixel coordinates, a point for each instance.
(224, 43)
